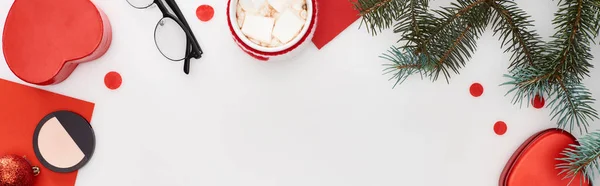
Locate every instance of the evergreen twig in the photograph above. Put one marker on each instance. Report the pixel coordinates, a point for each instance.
(403, 65)
(513, 25)
(597, 10)
(378, 15)
(564, 66)
(411, 23)
(450, 18)
(570, 48)
(582, 158)
(572, 105)
(527, 82)
(444, 41)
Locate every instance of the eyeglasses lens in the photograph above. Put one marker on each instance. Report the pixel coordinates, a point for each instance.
(140, 3)
(170, 39)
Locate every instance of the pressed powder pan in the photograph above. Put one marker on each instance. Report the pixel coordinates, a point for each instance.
(64, 141)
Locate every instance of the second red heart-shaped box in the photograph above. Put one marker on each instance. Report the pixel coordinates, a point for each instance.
(534, 162)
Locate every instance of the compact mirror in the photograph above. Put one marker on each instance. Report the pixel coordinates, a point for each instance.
(64, 141)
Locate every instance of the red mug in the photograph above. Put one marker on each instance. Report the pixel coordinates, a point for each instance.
(287, 50)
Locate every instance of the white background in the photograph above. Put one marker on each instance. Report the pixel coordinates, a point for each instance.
(327, 118)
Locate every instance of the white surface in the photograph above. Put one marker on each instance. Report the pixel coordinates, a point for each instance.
(326, 118)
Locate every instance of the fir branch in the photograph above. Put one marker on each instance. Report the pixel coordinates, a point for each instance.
(561, 69)
(411, 23)
(375, 7)
(572, 105)
(379, 14)
(416, 26)
(570, 101)
(450, 18)
(570, 48)
(419, 27)
(454, 45)
(404, 64)
(527, 82)
(454, 35)
(445, 41)
(597, 10)
(581, 158)
(450, 53)
(513, 25)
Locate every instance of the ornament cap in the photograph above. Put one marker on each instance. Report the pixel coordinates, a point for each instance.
(36, 170)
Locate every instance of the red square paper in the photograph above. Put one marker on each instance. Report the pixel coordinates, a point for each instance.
(21, 108)
(334, 17)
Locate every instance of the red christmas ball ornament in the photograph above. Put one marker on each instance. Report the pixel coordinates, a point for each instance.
(16, 171)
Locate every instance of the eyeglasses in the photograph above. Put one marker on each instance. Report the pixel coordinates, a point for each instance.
(172, 34)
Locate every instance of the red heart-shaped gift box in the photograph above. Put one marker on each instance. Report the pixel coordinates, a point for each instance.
(534, 162)
(44, 40)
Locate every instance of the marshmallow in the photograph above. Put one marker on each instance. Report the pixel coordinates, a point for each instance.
(258, 27)
(279, 5)
(266, 11)
(240, 20)
(275, 43)
(303, 14)
(254, 41)
(298, 5)
(252, 5)
(240, 16)
(287, 26)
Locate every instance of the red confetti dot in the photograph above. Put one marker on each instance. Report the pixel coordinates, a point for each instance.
(538, 102)
(112, 80)
(205, 12)
(500, 127)
(476, 89)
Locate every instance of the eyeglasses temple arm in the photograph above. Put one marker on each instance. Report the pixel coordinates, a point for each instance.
(188, 56)
(177, 11)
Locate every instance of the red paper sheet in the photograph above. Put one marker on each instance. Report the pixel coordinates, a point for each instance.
(334, 17)
(21, 108)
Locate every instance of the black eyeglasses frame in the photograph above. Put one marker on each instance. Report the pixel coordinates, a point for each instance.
(193, 49)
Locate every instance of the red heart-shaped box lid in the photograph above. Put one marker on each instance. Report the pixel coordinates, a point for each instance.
(534, 163)
(44, 40)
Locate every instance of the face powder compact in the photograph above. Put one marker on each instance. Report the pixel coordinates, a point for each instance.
(64, 141)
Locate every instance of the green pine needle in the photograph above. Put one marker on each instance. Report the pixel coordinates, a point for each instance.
(576, 28)
(403, 64)
(454, 36)
(514, 28)
(582, 158)
(441, 43)
(410, 24)
(528, 82)
(572, 105)
(564, 64)
(378, 15)
(597, 9)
